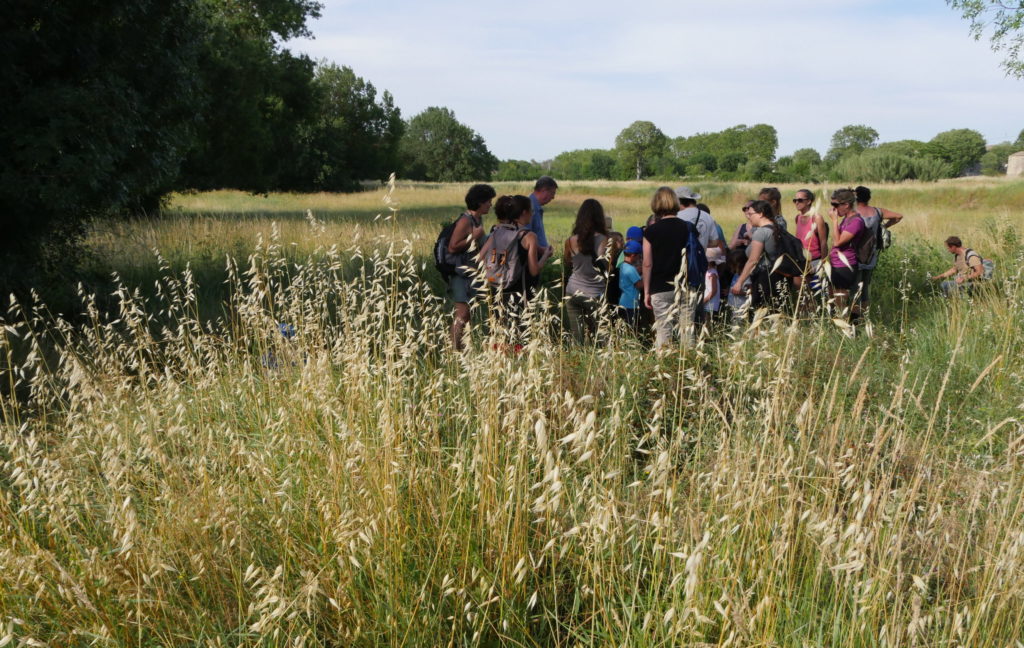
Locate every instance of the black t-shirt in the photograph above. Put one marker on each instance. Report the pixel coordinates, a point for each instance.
(668, 238)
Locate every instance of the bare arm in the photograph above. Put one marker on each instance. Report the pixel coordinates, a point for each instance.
(822, 231)
(711, 289)
(889, 218)
(464, 235)
(754, 251)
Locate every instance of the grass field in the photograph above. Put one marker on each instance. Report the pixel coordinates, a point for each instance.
(179, 473)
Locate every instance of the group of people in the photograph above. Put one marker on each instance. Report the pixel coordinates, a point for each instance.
(677, 272)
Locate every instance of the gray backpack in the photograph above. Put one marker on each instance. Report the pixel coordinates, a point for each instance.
(503, 265)
(988, 266)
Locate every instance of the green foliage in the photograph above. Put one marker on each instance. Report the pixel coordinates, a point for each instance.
(260, 98)
(851, 140)
(757, 170)
(437, 147)
(584, 164)
(995, 158)
(807, 156)
(353, 137)
(759, 141)
(638, 145)
(1019, 144)
(882, 166)
(961, 148)
(1006, 20)
(100, 105)
(518, 170)
(910, 148)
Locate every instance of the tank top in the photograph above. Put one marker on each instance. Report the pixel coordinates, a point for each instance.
(806, 232)
(586, 279)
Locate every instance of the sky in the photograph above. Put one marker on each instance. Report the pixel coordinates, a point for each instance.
(536, 78)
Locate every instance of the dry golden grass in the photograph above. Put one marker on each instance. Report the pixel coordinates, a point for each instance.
(171, 481)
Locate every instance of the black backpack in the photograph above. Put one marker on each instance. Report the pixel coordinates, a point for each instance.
(789, 260)
(446, 262)
(614, 290)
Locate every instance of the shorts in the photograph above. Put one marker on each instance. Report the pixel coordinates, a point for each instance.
(844, 278)
(461, 289)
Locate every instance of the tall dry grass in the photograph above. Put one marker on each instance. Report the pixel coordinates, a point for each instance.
(172, 481)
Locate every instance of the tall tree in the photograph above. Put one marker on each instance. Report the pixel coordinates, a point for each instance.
(439, 148)
(638, 144)
(260, 94)
(961, 148)
(1007, 22)
(851, 139)
(352, 136)
(100, 105)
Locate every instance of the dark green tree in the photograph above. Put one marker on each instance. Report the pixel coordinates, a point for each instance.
(637, 145)
(438, 148)
(961, 148)
(518, 171)
(1006, 20)
(851, 140)
(353, 136)
(806, 156)
(100, 105)
(261, 96)
(585, 164)
(910, 148)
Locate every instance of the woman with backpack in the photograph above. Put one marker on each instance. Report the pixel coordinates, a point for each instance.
(849, 228)
(765, 236)
(812, 230)
(675, 303)
(877, 220)
(512, 258)
(461, 252)
(584, 257)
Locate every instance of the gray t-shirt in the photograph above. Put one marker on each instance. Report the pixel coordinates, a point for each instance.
(873, 222)
(586, 279)
(766, 236)
(707, 229)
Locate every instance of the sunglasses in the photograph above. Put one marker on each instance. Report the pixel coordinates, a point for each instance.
(796, 200)
(837, 204)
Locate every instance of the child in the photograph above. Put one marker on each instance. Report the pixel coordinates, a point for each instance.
(712, 287)
(630, 283)
(738, 304)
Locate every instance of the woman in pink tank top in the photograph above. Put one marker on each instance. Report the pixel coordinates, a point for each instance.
(811, 229)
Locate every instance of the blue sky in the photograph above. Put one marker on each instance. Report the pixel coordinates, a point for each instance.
(537, 78)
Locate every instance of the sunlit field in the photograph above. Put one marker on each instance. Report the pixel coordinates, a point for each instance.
(175, 471)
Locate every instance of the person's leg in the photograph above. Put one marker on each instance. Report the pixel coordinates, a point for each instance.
(949, 287)
(574, 311)
(691, 314)
(661, 304)
(460, 292)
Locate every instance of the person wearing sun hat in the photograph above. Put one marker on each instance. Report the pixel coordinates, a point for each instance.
(707, 229)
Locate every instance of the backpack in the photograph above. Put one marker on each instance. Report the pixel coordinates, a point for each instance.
(789, 259)
(696, 257)
(988, 266)
(883, 237)
(503, 265)
(867, 244)
(446, 262)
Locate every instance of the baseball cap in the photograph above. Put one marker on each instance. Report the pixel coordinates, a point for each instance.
(634, 234)
(633, 247)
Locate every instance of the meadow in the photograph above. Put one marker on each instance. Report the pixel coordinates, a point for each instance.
(174, 471)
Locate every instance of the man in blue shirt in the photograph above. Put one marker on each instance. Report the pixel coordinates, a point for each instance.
(543, 193)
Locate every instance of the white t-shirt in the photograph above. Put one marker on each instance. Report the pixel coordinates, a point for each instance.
(707, 230)
(715, 303)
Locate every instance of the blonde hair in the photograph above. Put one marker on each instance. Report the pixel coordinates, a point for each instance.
(664, 202)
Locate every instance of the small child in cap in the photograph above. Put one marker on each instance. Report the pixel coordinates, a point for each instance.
(630, 282)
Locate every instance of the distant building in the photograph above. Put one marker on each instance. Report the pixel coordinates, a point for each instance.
(1015, 165)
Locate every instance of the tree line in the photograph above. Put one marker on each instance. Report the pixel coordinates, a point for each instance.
(643, 151)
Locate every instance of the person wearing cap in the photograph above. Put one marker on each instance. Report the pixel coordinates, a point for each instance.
(707, 228)
(630, 282)
(874, 218)
(632, 234)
